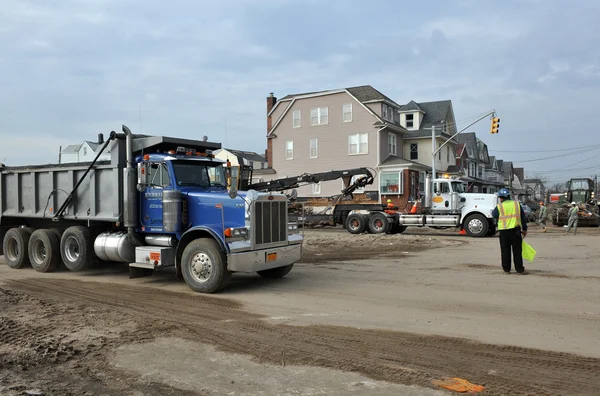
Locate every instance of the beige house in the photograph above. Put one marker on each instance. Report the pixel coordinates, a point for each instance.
(341, 129)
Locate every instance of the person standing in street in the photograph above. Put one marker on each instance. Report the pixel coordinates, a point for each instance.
(543, 216)
(512, 228)
(573, 218)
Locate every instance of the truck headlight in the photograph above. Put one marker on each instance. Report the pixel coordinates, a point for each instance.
(292, 228)
(236, 233)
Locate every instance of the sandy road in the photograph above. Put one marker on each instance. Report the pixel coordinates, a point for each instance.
(386, 319)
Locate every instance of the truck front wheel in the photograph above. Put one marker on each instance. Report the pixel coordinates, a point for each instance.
(476, 225)
(204, 267)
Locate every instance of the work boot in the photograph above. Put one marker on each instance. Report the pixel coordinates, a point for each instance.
(524, 272)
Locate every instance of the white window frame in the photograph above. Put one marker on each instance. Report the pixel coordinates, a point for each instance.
(392, 144)
(296, 119)
(347, 109)
(358, 143)
(400, 183)
(315, 148)
(289, 149)
(412, 120)
(316, 188)
(318, 114)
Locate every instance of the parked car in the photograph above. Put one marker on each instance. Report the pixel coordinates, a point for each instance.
(528, 212)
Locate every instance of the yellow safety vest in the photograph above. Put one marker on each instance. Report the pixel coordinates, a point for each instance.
(510, 215)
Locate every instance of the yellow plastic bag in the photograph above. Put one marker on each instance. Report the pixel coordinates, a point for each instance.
(528, 252)
(458, 385)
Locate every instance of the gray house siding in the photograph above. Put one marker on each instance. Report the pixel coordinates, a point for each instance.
(332, 141)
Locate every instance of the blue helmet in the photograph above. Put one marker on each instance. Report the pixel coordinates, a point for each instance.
(504, 193)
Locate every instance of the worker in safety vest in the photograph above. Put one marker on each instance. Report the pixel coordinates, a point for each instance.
(573, 218)
(390, 207)
(512, 228)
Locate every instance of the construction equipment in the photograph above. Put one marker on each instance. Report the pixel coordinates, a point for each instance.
(159, 202)
(581, 191)
(446, 204)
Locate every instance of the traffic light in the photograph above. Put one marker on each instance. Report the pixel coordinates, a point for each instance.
(495, 125)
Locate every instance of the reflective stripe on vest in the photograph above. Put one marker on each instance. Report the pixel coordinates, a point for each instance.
(510, 215)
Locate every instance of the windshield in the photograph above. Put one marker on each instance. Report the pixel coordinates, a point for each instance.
(580, 185)
(196, 173)
(458, 187)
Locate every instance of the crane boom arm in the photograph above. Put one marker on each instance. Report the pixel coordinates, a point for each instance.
(306, 178)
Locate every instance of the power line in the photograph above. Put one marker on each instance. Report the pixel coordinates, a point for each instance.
(591, 148)
(543, 151)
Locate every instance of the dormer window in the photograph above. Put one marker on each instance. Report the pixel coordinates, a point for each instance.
(387, 112)
(410, 119)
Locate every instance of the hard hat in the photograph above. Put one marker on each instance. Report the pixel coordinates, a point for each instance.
(573, 203)
(504, 193)
(389, 201)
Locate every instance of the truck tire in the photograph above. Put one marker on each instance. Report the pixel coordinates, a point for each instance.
(476, 225)
(276, 273)
(397, 228)
(44, 250)
(204, 267)
(378, 223)
(356, 223)
(76, 248)
(15, 246)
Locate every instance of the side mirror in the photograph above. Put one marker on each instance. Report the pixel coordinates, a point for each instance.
(235, 171)
(143, 175)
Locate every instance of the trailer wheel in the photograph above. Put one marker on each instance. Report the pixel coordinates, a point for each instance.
(276, 273)
(378, 224)
(204, 267)
(76, 248)
(476, 225)
(15, 246)
(397, 228)
(356, 223)
(44, 250)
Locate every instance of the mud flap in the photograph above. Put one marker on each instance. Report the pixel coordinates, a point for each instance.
(135, 272)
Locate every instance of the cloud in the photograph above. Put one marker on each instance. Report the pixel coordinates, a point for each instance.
(71, 69)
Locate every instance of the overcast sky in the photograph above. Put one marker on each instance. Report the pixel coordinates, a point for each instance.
(70, 69)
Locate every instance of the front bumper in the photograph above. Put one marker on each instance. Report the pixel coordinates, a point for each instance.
(259, 260)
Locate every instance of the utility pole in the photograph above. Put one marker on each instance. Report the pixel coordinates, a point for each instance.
(433, 152)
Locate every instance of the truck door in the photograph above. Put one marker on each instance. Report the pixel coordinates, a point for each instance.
(441, 196)
(151, 212)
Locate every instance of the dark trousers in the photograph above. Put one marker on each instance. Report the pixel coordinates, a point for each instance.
(511, 240)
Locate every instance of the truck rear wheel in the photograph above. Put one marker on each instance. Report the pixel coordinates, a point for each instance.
(397, 228)
(276, 273)
(378, 224)
(204, 267)
(476, 225)
(44, 250)
(15, 246)
(76, 248)
(356, 223)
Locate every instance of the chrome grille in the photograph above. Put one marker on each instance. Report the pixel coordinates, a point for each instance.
(270, 224)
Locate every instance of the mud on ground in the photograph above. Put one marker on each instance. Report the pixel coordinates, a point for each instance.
(57, 336)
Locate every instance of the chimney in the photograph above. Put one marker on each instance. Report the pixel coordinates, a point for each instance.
(271, 100)
(100, 138)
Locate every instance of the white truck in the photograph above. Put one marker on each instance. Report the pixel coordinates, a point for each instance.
(446, 204)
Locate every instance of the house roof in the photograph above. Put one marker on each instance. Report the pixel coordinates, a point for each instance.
(500, 165)
(459, 149)
(93, 145)
(490, 165)
(364, 93)
(247, 155)
(436, 113)
(520, 173)
(454, 169)
(72, 148)
(412, 105)
(393, 160)
(470, 141)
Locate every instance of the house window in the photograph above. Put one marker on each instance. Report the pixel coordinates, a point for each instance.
(316, 188)
(410, 118)
(347, 112)
(289, 149)
(358, 143)
(319, 116)
(314, 148)
(387, 112)
(391, 182)
(414, 151)
(85, 151)
(392, 144)
(296, 119)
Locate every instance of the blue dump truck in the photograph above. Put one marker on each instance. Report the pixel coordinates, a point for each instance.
(158, 202)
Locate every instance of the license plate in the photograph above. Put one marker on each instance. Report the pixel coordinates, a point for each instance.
(271, 256)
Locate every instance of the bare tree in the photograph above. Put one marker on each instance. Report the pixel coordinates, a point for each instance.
(558, 188)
